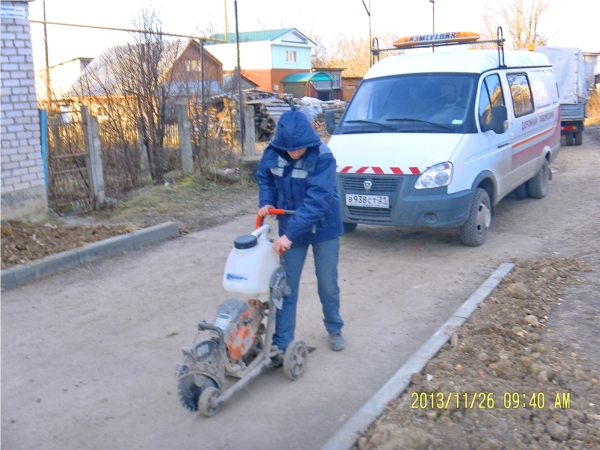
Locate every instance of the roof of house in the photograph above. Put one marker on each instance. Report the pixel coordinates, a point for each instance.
(100, 76)
(255, 36)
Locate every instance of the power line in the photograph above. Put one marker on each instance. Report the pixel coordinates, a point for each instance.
(131, 30)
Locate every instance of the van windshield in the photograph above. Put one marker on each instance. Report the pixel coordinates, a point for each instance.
(415, 103)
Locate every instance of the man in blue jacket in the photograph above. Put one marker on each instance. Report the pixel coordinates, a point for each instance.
(297, 172)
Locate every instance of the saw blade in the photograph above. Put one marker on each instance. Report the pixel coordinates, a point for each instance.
(188, 392)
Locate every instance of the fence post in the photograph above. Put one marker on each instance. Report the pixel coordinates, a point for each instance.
(91, 137)
(144, 162)
(185, 141)
(249, 131)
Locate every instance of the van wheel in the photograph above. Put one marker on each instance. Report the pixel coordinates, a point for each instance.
(349, 227)
(521, 191)
(538, 185)
(578, 137)
(474, 231)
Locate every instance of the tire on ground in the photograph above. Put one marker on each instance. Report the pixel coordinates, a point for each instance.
(538, 185)
(349, 227)
(474, 231)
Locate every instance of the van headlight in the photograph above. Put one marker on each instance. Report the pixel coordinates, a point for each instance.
(436, 176)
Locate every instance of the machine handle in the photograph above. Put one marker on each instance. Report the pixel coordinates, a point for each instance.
(276, 212)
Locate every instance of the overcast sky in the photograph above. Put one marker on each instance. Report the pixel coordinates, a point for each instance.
(567, 23)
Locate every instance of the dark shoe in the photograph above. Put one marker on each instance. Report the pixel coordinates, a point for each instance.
(276, 361)
(336, 342)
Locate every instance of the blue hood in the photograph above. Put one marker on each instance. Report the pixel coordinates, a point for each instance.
(294, 131)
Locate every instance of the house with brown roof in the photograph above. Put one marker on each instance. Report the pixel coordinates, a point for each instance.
(184, 67)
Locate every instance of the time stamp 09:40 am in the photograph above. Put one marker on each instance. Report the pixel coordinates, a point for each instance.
(487, 400)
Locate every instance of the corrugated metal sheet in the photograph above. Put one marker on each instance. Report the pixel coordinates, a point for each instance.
(252, 36)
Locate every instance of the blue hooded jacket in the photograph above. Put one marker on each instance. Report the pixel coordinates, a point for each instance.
(307, 185)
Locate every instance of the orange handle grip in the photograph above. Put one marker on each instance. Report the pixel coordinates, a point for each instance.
(277, 212)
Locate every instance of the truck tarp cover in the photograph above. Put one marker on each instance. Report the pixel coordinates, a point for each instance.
(569, 70)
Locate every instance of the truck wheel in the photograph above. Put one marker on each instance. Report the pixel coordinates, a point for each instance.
(474, 231)
(349, 227)
(569, 139)
(563, 140)
(538, 185)
(578, 137)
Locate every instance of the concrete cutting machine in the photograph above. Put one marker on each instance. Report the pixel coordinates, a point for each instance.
(237, 345)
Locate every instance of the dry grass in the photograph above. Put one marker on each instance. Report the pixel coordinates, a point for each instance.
(593, 109)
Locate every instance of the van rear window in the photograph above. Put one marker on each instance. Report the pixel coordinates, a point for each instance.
(520, 91)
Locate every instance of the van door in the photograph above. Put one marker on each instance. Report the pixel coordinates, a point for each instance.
(496, 148)
(525, 129)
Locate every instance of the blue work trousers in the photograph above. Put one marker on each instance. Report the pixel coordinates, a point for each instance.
(326, 255)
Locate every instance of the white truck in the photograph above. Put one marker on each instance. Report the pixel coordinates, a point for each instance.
(569, 70)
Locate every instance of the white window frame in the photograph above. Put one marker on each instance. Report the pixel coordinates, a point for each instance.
(290, 56)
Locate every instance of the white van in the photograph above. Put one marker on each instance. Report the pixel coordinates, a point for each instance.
(438, 139)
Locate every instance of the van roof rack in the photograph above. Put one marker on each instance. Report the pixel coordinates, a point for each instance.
(441, 40)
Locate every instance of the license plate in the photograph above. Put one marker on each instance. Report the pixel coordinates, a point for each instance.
(368, 201)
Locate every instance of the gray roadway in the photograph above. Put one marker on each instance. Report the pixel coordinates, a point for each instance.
(88, 355)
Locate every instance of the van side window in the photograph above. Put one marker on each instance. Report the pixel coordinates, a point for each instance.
(490, 95)
(542, 82)
(521, 93)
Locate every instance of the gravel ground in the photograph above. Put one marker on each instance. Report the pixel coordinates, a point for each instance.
(522, 373)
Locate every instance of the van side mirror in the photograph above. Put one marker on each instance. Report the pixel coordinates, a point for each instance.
(499, 120)
(330, 121)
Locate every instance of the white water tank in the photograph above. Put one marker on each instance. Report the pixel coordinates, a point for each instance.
(251, 264)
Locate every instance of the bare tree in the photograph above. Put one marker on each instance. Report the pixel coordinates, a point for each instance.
(350, 52)
(149, 79)
(519, 19)
(132, 83)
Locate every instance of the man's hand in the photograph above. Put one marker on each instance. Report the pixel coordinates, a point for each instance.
(264, 211)
(282, 244)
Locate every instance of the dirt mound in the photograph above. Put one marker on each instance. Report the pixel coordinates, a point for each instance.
(193, 203)
(23, 243)
(506, 380)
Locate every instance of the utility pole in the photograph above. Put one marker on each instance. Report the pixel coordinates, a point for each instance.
(239, 81)
(48, 89)
(370, 44)
(432, 21)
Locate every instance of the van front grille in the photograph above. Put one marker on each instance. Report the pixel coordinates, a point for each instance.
(380, 183)
(373, 215)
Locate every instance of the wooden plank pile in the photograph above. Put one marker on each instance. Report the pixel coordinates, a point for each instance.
(268, 108)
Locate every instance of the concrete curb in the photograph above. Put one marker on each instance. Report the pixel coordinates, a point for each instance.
(18, 276)
(347, 436)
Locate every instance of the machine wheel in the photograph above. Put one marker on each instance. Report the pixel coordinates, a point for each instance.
(295, 359)
(189, 392)
(474, 231)
(349, 227)
(538, 185)
(521, 191)
(206, 403)
(578, 137)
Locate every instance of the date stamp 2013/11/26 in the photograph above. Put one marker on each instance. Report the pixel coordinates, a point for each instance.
(489, 400)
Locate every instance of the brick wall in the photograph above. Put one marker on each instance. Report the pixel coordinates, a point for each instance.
(23, 182)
